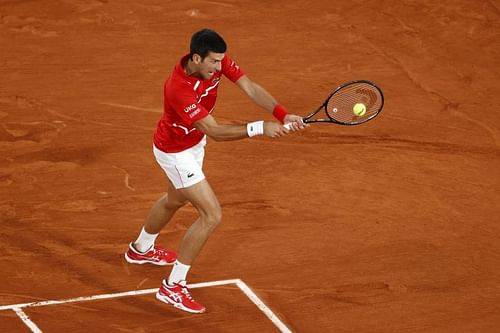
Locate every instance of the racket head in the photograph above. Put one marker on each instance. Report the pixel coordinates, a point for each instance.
(340, 104)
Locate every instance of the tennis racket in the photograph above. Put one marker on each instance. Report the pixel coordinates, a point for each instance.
(352, 103)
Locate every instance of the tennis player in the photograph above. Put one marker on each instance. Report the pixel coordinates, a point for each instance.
(190, 93)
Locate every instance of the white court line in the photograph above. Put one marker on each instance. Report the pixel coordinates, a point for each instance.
(26, 320)
(256, 300)
(114, 295)
(17, 308)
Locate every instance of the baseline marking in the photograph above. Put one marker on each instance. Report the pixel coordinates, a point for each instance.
(17, 308)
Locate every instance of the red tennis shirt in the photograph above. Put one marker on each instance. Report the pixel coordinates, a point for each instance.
(187, 99)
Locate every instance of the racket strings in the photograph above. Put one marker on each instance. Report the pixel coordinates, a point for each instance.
(340, 105)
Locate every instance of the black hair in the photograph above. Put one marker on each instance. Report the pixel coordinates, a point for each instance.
(205, 41)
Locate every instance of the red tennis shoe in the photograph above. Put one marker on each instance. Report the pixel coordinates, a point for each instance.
(156, 256)
(178, 295)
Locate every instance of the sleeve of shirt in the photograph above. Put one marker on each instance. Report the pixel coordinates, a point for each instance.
(231, 70)
(185, 103)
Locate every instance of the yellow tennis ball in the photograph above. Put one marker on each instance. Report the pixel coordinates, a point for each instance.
(359, 109)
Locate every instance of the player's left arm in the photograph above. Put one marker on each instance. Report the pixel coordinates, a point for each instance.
(265, 100)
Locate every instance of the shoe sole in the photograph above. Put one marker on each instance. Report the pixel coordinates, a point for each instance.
(142, 262)
(167, 300)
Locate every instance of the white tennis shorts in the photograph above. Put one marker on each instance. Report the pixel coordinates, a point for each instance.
(184, 169)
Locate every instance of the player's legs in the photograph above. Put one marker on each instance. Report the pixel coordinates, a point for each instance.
(174, 290)
(143, 250)
(159, 215)
(204, 200)
(163, 210)
(183, 169)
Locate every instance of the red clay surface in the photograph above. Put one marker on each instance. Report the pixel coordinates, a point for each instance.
(387, 227)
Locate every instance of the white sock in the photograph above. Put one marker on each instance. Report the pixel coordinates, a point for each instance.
(145, 241)
(179, 273)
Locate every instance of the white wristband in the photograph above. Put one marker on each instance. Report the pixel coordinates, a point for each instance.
(255, 128)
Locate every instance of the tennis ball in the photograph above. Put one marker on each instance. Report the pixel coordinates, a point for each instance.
(359, 109)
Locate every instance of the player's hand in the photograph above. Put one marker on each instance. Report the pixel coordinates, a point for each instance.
(274, 130)
(295, 121)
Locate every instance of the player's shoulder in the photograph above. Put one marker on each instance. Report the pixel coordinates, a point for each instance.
(227, 59)
(177, 83)
(231, 69)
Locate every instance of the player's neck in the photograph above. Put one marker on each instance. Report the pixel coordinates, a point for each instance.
(189, 69)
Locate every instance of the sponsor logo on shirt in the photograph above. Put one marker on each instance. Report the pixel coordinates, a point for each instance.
(194, 113)
(189, 108)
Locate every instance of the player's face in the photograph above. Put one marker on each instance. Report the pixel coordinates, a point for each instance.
(208, 66)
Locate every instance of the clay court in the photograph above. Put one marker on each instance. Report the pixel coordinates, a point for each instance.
(390, 226)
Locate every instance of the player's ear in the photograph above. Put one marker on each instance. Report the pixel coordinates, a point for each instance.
(197, 58)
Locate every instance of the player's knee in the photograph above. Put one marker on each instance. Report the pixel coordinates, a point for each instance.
(213, 217)
(217, 215)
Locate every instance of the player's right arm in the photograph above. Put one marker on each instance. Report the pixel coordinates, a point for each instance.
(228, 132)
(183, 101)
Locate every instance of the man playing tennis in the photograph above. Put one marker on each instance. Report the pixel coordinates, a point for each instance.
(189, 98)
